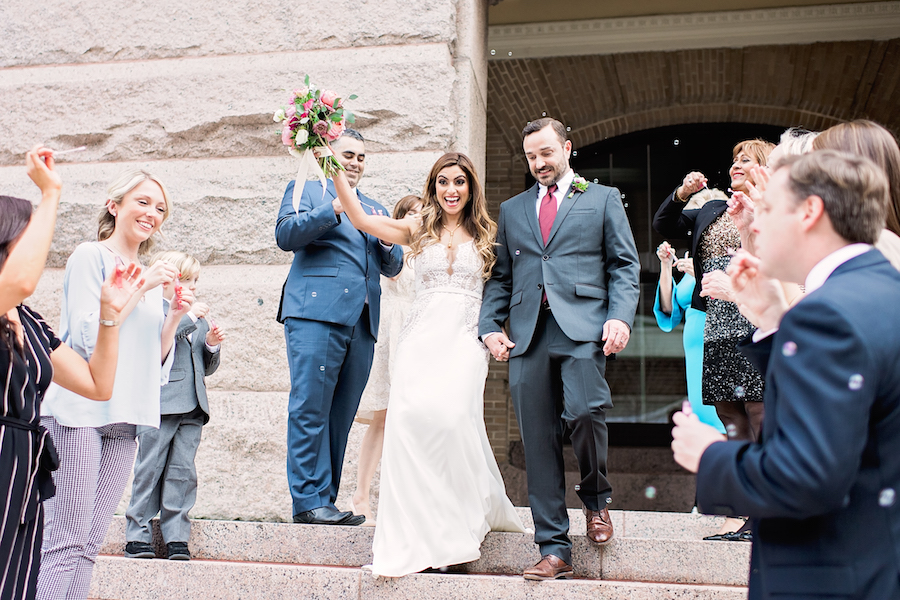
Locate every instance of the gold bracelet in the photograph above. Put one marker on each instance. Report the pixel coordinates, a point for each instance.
(108, 323)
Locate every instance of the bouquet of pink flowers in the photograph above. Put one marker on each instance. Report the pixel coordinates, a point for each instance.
(312, 117)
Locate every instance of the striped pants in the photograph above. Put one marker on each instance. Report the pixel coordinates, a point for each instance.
(95, 463)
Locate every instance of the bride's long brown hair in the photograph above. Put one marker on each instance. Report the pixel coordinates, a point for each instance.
(475, 217)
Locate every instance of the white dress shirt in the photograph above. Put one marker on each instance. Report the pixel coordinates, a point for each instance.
(562, 186)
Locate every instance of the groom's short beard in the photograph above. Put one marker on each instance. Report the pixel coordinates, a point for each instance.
(557, 175)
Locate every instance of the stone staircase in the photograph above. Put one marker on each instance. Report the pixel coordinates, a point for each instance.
(655, 556)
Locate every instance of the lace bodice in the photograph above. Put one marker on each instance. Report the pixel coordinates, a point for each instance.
(437, 278)
(433, 269)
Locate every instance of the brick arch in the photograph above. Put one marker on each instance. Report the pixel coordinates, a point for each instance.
(700, 113)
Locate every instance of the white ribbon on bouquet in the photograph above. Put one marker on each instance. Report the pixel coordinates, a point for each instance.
(309, 165)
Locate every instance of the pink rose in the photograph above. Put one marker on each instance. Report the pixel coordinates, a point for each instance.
(335, 131)
(308, 105)
(320, 127)
(328, 97)
(289, 112)
(286, 132)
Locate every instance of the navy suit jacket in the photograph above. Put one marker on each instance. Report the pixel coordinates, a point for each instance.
(589, 267)
(822, 486)
(335, 265)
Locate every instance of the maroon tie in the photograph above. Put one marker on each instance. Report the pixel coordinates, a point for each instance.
(547, 213)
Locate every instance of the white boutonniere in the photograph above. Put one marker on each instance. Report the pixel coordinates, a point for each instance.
(579, 184)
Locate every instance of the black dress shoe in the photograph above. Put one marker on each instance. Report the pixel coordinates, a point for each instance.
(328, 515)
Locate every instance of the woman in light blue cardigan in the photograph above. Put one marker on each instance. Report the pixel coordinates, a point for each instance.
(96, 440)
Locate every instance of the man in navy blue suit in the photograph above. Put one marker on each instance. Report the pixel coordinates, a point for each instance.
(821, 485)
(329, 307)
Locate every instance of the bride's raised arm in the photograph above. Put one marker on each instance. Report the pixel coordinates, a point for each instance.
(394, 231)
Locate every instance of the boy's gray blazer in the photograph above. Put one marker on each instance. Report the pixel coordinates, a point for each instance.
(186, 389)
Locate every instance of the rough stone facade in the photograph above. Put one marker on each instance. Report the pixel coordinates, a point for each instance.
(187, 90)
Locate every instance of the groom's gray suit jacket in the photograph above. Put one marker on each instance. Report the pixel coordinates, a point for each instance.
(589, 267)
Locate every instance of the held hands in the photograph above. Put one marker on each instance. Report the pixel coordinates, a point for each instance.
(616, 334)
(716, 284)
(759, 298)
(499, 345)
(117, 291)
(691, 438)
(40, 167)
(693, 183)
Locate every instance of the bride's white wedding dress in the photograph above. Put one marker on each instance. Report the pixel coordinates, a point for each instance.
(441, 490)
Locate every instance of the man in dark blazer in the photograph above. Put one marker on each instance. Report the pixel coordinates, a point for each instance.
(821, 486)
(566, 278)
(330, 308)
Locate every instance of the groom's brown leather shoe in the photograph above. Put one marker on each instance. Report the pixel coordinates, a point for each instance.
(599, 525)
(549, 567)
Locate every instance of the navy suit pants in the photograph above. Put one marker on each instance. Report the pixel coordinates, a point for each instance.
(329, 367)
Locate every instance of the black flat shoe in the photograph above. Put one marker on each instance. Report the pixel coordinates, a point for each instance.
(718, 537)
(740, 536)
(328, 515)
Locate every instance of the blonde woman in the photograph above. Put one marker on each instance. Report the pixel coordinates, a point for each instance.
(441, 490)
(96, 440)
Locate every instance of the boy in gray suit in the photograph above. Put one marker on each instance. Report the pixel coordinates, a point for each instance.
(165, 478)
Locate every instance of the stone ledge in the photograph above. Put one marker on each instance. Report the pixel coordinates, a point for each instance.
(224, 209)
(127, 579)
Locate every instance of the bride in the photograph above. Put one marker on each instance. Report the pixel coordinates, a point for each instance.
(441, 490)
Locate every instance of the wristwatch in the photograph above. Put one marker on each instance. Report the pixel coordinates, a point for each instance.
(108, 323)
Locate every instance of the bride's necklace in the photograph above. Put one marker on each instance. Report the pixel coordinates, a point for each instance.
(450, 242)
(119, 253)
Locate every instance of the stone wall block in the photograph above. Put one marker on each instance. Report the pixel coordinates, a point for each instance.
(222, 106)
(243, 300)
(91, 32)
(224, 210)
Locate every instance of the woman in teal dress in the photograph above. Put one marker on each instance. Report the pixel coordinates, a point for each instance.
(672, 305)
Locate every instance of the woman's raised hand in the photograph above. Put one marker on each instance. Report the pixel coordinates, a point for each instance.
(159, 273)
(117, 291)
(741, 209)
(666, 255)
(40, 167)
(693, 183)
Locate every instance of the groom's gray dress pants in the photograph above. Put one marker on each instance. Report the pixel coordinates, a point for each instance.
(560, 383)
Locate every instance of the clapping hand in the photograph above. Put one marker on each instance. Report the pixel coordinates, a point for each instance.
(117, 291)
(760, 299)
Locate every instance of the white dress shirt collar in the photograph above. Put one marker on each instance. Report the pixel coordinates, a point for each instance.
(561, 187)
(825, 267)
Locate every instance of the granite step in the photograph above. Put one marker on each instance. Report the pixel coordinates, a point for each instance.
(648, 547)
(117, 578)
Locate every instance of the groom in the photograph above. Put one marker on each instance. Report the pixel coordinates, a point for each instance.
(566, 277)
(329, 307)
